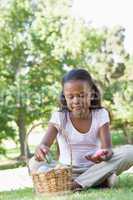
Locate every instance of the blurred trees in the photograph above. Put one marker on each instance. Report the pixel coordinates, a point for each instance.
(40, 40)
(112, 67)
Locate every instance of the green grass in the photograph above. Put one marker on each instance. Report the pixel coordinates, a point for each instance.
(118, 138)
(124, 191)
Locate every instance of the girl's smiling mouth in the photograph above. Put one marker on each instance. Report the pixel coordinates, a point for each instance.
(76, 107)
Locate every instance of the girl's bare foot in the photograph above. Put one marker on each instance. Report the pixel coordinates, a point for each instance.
(76, 186)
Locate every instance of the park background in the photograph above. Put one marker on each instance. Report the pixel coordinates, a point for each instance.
(39, 42)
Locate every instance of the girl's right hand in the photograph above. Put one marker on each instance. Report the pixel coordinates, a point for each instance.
(100, 155)
(41, 152)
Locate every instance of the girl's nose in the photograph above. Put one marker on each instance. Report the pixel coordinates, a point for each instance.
(76, 100)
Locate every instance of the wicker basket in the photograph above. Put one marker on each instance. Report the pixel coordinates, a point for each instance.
(56, 181)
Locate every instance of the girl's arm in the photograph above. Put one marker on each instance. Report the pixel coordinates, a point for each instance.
(106, 145)
(46, 142)
(105, 139)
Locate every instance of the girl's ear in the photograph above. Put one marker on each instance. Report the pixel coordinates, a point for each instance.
(62, 96)
(63, 101)
(92, 95)
(95, 98)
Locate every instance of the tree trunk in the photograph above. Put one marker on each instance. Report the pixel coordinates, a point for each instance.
(22, 134)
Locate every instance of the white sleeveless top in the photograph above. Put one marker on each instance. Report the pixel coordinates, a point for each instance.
(82, 143)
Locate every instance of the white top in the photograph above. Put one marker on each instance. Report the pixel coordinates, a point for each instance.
(81, 143)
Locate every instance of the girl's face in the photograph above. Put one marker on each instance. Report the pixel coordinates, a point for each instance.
(78, 96)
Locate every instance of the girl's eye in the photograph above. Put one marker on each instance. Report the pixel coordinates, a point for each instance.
(79, 96)
(69, 97)
(82, 96)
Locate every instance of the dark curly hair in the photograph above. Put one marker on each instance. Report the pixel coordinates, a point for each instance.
(80, 74)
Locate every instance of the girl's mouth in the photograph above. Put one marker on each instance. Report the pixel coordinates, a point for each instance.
(77, 108)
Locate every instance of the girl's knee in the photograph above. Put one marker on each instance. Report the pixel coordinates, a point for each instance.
(128, 153)
(34, 164)
(124, 153)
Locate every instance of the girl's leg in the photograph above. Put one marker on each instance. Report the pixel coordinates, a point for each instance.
(121, 160)
(34, 165)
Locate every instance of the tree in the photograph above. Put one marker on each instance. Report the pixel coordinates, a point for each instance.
(111, 66)
(38, 40)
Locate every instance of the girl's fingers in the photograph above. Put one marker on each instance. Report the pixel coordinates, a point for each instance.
(88, 157)
(95, 160)
(44, 150)
(99, 158)
(91, 158)
(39, 155)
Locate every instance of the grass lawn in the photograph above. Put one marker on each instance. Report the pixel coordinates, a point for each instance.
(124, 191)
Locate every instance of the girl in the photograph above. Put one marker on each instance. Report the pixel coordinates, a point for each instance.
(87, 127)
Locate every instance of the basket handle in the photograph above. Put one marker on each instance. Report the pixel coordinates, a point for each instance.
(26, 143)
(60, 129)
(65, 134)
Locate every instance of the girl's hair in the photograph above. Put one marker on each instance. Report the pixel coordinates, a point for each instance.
(81, 74)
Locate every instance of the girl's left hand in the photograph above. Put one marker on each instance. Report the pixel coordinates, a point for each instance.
(100, 155)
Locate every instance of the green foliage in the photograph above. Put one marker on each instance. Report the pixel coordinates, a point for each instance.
(118, 138)
(111, 67)
(40, 40)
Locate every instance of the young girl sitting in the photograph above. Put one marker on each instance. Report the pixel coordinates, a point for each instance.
(86, 123)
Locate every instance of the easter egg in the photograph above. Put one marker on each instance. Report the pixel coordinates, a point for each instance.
(101, 153)
(44, 168)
